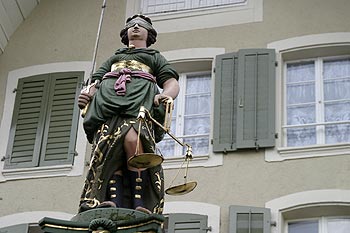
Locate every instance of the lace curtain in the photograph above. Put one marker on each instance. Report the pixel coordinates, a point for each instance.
(318, 102)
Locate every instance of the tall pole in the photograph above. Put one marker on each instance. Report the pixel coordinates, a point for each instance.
(97, 41)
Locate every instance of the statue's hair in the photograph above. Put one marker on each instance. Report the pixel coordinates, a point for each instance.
(152, 33)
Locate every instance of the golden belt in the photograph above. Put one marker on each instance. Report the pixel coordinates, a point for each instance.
(131, 64)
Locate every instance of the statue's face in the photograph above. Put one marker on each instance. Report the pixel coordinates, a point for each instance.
(137, 32)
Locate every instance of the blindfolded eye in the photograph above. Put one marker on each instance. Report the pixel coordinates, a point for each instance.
(139, 22)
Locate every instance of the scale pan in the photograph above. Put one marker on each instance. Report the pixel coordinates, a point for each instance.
(181, 189)
(145, 160)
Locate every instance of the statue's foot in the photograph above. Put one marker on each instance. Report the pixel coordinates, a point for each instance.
(144, 210)
(107, 204)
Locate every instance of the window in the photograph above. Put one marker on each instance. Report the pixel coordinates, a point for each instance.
(320, 225)
(314, 211)
(195, 66)
(317, 102)
(69, 163)
(191, 116)
(44, 125)
(163, 6)
(185, 15)
(311, 100)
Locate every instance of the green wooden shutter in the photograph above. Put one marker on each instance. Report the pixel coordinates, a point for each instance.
(225, 102)
(61, 124)
(44, 125)
(187, 223)
(27, 122)
(246, 219)
(244, 100)
(256, 97)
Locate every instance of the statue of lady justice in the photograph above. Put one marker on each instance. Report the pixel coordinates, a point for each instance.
(124, 83)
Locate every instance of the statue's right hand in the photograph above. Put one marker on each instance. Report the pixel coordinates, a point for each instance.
(84, 99)
(86, 95)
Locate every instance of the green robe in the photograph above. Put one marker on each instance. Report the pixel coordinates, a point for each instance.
(110, 116)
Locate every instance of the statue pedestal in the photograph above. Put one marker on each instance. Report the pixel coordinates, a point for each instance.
(105, 220)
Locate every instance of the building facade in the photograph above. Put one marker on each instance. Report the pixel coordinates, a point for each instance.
(264, 102)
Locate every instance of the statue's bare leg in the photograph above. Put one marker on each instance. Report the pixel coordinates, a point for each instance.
(138, 177)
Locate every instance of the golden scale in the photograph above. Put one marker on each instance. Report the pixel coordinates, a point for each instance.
(147, 160)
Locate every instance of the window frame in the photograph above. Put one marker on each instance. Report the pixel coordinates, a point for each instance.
(322, 222)
(304, 47)
(193, 10)
(301, 203)
(180, 114)
(184, 60)
(319, 98)
(75, 169)
(250, 11)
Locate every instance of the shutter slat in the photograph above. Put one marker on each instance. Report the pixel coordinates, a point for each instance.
(187, 223)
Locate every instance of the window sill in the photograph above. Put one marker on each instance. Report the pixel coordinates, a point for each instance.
(285, 153)
(197, 161)
(37, 172)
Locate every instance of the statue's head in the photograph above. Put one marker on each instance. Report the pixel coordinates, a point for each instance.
(142, 21)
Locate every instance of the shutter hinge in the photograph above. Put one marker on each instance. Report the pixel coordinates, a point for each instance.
(211, 141)
(256, 145)
(214, 70)
(276, 63)
(276, 135)
(5, 158)
(208, 228)
(14, 90)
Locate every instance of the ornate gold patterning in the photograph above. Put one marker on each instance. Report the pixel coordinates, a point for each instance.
(131, 64)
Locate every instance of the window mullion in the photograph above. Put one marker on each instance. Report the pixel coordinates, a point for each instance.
(180, 112)
(320, 130)
(322, 225)
(284, 101)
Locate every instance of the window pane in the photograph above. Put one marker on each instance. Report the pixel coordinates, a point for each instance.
(337, 133)
(301, 115)
(160, 6)
(337, 111)
(167, 147)
(197, 125)
(337, 89)
(301, 71)
(301, 93)
(336, 69)
(198, 104)
(303, 227)
(338, 226)
(198, 84)
(200, 145)
(302, 136)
